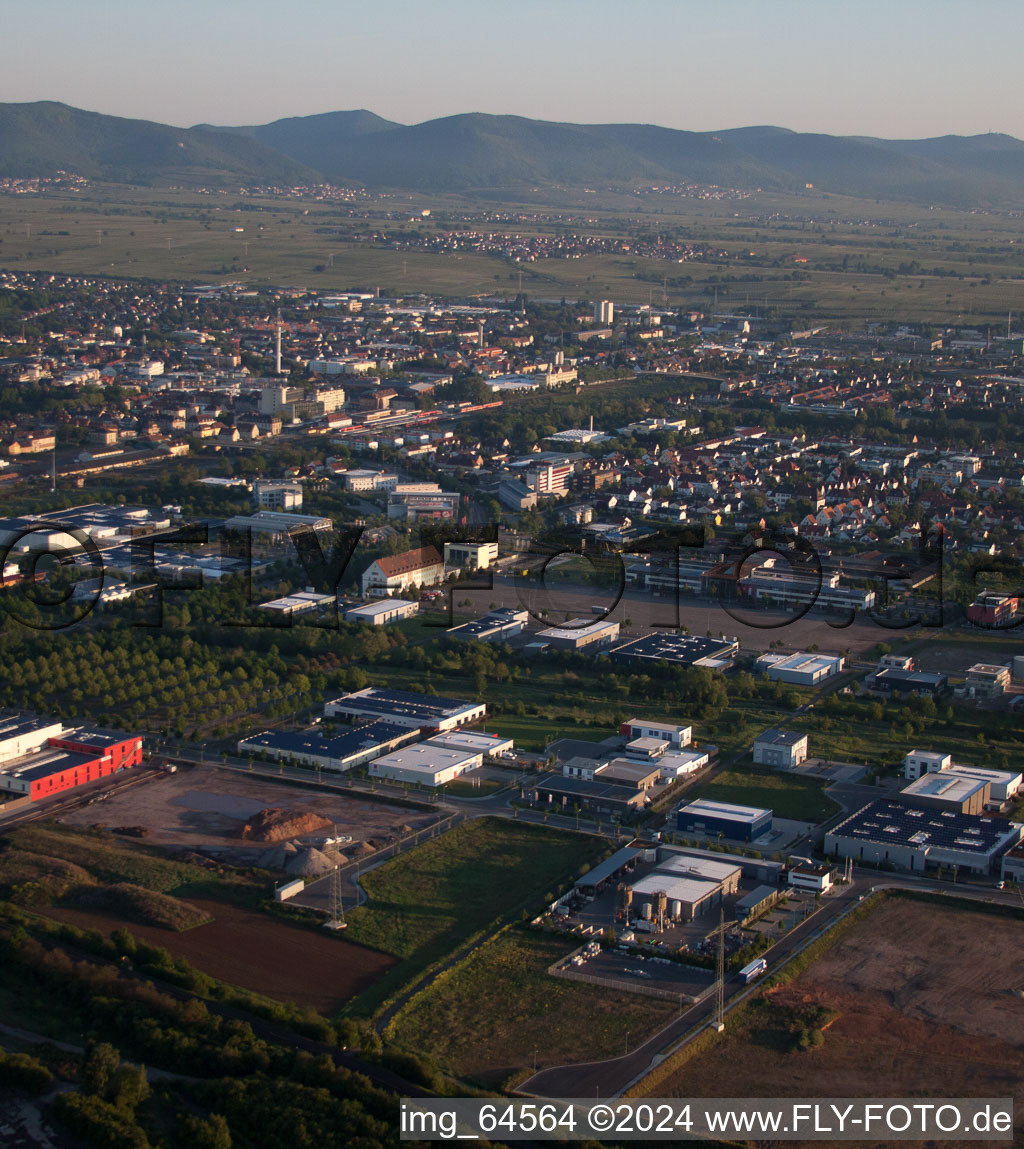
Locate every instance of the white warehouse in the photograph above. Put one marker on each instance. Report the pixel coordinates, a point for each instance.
(425, 764)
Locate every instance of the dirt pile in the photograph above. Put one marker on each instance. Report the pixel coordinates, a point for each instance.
(276, 825)
(131, 831)
(310, 863)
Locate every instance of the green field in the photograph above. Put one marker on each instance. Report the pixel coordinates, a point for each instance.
(535, 731)
(53, 859)
(494, 1014)
(425, 904)
(788, 796)
(809, 256)
(486, 786)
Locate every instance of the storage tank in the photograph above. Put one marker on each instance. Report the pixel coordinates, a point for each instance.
(1018, 666)
(645, 911)
(675, 910)
(660, 905)
(625, 895)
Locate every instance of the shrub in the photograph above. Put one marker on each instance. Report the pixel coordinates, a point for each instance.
(25, 1073)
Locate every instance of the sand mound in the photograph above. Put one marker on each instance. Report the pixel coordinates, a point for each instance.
(310, 863)
(278, 857)
(275, 825)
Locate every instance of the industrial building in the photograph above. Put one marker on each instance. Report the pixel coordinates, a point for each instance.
(677, 650)
(39, 758)
(424, 764)
(909, 838)
(646, 749)
(1003, 784)
(664, 897)
(1012, 866)
(680, 763)
(784, 749)
(405, 708)
(919, 762)
(20, 734)
(580, 766)
(799, 668)
(475, 556)
(69, 529)
(806, 875)
(622, 771)
(339, 752)
(681, 888)
(397, 573)
(788, 589)
(474, 742)
(984, 680)
(382, 612)
(498, 625)
(301, 602)
(434, 505)
(708, 819)
(590, 795)
(889, 680)
(761, 870)
(276, 526)
(760, 899)
(579, 634)
(619, 865)
(948, 790)
(677, 736)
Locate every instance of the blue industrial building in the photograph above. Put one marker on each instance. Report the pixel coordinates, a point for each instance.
(707, 819)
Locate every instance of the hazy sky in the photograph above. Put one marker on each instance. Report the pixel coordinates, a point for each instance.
(899, 68)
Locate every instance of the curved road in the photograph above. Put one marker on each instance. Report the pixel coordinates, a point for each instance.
(611, 1077)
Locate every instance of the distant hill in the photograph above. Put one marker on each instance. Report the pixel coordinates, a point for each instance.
(43, 138)
(476, 152)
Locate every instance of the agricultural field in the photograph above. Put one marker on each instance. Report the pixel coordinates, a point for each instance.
(911, 976)
(310, 968)
(789, 796)
(811, 256)
(209, 916)
(498, 1012)
(424, 904)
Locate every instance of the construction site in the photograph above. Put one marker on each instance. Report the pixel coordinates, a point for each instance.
(239, 819)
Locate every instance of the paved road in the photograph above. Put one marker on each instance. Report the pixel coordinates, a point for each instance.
(611, 1077)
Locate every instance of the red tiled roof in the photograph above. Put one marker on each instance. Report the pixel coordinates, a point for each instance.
(392, 565)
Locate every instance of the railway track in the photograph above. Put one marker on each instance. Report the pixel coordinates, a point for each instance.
(37, 813)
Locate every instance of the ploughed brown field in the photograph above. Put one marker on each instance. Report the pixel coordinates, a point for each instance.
(258, 953)
(925, 1005)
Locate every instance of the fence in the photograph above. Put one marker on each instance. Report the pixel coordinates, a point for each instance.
(573, 973)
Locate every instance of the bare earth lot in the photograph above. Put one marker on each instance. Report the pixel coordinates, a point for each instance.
(259, 953)
(755, 631)
(925, 1008)
(204, 809)
(956, 658)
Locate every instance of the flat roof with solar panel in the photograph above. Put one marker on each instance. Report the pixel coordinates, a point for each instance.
(405, 708)
(892, 823)
(681, 649)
